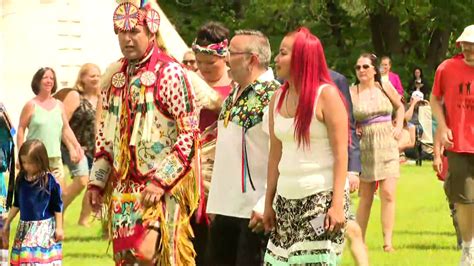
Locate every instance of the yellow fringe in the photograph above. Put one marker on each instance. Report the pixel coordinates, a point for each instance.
(187, 196)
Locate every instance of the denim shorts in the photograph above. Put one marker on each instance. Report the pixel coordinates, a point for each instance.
(82, 168)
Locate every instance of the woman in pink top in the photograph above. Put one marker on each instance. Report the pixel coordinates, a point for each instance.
(388, 75)
(210, 48)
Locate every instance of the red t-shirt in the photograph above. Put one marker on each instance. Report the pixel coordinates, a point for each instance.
(454, 82)
(207, 117)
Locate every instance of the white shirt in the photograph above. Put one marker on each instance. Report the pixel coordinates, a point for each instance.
(226, 196)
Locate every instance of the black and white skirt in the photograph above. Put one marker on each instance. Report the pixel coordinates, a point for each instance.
(294, 241)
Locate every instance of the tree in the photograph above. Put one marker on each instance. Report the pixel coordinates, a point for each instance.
(414, 33)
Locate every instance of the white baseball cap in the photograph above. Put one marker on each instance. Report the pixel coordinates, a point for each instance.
(417, 94)
(467, 35)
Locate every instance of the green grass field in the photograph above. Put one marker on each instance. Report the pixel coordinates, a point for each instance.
(423, 231)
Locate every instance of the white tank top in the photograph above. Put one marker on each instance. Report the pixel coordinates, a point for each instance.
(303, 171)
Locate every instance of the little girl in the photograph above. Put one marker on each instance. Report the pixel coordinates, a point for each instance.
(38, 199)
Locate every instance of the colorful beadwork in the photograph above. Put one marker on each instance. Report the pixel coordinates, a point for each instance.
(126, 16)
(118, 80)
(148, 78)
(153, 20)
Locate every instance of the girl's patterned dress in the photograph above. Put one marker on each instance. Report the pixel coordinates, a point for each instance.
(34, 242)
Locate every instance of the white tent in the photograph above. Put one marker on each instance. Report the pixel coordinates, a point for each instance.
(62, 34)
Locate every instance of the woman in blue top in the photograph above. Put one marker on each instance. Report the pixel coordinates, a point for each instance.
(38, 199)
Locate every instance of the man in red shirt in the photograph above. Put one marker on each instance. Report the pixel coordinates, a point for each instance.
(452, 86)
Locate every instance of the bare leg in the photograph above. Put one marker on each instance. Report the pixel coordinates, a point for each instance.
(387, 196)
(465, 215)
(358, 248)
(86, 211)
(366, 194)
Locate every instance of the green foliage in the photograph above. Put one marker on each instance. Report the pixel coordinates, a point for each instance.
(422, 33)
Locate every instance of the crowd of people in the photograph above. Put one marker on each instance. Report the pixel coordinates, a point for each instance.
(219, 160)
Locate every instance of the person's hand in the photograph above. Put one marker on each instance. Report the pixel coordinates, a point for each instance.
(437, 164)
(59, 234)
(256, 222)
(95, 198)
(353, 182)
(269, 218)
(151, 195)
(80, 153)
(74, 155)
(446, 137)
(334, 220)
(397, 132)
(414, 100)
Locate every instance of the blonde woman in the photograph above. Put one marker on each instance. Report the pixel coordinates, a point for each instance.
(80, 104)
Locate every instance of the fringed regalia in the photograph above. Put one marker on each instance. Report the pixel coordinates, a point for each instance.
(148, 133)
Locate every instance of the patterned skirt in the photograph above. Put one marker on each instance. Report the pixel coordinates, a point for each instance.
(294, 241)
(34, 244)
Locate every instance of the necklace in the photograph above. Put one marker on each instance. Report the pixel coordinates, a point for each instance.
(294, 102)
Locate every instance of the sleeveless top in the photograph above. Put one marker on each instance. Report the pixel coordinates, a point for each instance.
(82, 123)
(303, 171)
(46, 126)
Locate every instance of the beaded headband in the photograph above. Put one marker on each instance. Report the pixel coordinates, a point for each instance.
(128, 15)
(219, 49)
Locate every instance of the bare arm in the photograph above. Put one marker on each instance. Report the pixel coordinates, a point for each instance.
(274, 157)
(68, 137)
(11, 215)
(71, 102)
(437, 109)
(410, 110)
(24, 122)
(58, 216)
(395, 99)
(336, 120)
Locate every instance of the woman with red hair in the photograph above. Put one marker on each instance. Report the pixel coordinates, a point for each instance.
(307, 166)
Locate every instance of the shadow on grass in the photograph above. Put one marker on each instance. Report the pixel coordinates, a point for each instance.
(84, 238)
(436, 233)
(79, 255)
(421, 246)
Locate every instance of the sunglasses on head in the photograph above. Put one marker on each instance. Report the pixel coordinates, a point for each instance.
(189, 62)
(365, 66)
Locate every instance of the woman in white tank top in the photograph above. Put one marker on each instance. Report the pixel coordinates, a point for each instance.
(306, 205)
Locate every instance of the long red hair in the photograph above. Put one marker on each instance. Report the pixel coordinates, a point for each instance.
(308, 70)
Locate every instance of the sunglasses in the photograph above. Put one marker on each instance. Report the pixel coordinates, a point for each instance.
(358, 67)
(189, 62)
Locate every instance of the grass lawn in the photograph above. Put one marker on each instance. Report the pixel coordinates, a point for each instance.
(423, 232)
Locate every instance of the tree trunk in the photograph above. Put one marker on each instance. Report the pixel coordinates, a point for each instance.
(413, 41)
(335, 21)
(385, 29)
(439, 42)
